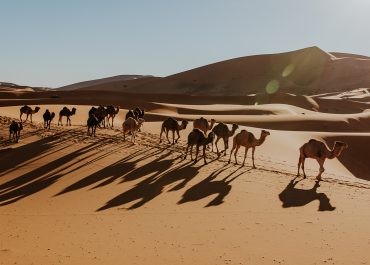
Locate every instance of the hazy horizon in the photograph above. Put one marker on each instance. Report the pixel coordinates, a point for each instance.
(56, 44)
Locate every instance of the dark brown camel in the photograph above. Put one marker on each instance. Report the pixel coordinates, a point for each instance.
(222, 131)
(15, 131)
(48, 117)
(28, 111)
(68, 113)
(171, 124)
(198, 138)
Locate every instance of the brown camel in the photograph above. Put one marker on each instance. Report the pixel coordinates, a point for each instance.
(318, 150)
(111, 113)
(68, 113)
(247, 140)
(100, 113)
(48, 117)
(28, 111)
(131, 125)
(171, 124)
(222, 131)
(198, 138)
(15, 131)
(92, 123)
(203, 125)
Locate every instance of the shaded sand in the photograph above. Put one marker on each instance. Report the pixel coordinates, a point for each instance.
(66, 198)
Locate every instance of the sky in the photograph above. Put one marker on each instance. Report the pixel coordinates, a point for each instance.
(53, 43)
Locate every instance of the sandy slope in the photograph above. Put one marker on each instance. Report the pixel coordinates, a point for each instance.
(67, 198)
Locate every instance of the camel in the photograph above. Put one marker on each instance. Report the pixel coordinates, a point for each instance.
(131, 125)
(111, 113)
(100, 113)
(48, 117)
(203, 125)
(28, 111)
(198, 138)
(222, 131)
(135, 113)
(15, 131)
(92, 123)
(68, 113)
(318, 150)
(171, 124)
(247, 140)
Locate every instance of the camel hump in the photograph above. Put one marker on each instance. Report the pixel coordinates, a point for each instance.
(312, 141)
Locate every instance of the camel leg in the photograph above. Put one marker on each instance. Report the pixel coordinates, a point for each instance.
(204, 154)
(173, 137)
(20, 116)
(226, 144)
(124, 135)
(303, 160)
(178, 136)
(88, 131)
(94, 128)
(245, 155)
(186, 152)
(160, 135)
(236, 151)
(322, 169)
(133, 137)
(191, 152)
(218, 152)
(231, 152)
(253, 149)
(167, 131)
(196, 154)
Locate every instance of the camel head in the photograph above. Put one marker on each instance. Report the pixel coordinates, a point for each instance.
(140, 122)
(52, 115)
(338, 148)
(37, 109)
(73, 111)
(183, 125)
(264, 133)
(212, 122)
(235, 127)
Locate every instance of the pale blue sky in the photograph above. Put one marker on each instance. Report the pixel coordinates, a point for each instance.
(54, 43)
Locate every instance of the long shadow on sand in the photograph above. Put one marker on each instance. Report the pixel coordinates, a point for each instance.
(124, 168)
(209, 187)
(53, 169)
(164, 173)
(293, 197)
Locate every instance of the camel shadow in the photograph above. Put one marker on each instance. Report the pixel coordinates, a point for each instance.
(113, 172)
(209, 187)
(148, 189)
(293, 197)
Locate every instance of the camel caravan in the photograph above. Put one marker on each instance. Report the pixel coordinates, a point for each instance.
(204, 133)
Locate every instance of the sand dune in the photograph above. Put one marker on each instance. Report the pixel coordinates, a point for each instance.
(107, 201)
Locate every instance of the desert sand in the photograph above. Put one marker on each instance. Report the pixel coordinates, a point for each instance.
(68, 198)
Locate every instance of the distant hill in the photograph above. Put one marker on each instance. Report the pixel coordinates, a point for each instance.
(6, 86)
(306, 71)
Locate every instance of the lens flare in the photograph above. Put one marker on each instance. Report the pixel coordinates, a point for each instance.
(288, 70)
(272, 87)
